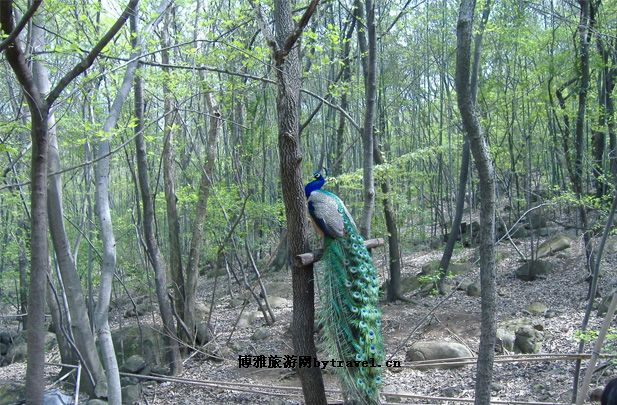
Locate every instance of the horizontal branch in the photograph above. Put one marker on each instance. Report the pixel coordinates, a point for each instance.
(305, 259)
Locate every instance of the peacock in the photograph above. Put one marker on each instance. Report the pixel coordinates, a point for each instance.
(349, 317)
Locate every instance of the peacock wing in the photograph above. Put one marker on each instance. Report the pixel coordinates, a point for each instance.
(323, 208)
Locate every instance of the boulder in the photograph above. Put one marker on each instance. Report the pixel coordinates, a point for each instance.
(473, 289)
(11, 392)
(56, 397)
(278, 302)
(533, 269)
(146, 343)
(435, 350)
(134, 365)
(536, 219)
(261, 334)
(96, 402)
(204, 333)
(18, 351)
(248, 317)
(131, 394)
(537, 308)
(519, 336)
(553, 245)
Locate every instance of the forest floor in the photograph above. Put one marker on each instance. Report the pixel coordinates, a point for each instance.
(457, 319)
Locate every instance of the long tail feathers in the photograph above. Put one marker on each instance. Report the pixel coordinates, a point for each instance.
(349, 315)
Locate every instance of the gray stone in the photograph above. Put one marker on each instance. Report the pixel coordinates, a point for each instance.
(603, 305)
(278, 302)
(434, 350)
(450, 392)
(18, 351)
(528, 340)
(533, 269)
(261, 334)
(473, 289)
(248, 317)
(131, 394)
(537, 219)
(204, 333)
(56, 397)
(11, 392)
(145, 342)
(134, 364)
(505, 340)
(553, 245)
(96, 402)
(4, 348)
(537, 308)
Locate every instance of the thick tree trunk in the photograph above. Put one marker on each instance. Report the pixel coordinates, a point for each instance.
(286, 57)
(367, 45)
(483, 163)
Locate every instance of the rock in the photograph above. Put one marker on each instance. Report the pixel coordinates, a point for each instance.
(505, 340)
(278, 302)
(204, 333)
(528, 340)
(536, 219)
(409, 284)
(496, 387)
(134, 365)
(131, 394)
(146, 342)
(519, 336)
(595, 395)
(4, 348)
(236, 302)
(261, 334)
(202, 311)
(533, 269)
(553, 245)
(434, 350)
(462, 286)
(248, 317)
(519, 233)
(473, 289)
(18, 351)
(547, 231)
(139, 310)
(7, 337)
(11, 392)
(454, 268)
(537, 308)
(96, 402)
(450, 392)
(603, 305)
(56, 397)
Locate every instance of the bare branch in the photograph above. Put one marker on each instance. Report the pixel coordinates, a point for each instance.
(305, 259)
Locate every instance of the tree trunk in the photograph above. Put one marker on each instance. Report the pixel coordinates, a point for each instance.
(465, 155)
(487, 203)
(368, 50)
(175, 250)
(192, 269)
(286, 57)
(80, 322)
(172, 350)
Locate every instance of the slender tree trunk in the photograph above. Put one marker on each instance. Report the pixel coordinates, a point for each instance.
(462, 179)
(172, 349)
(367, 45)
(192, 269)
(484, 165)
(175, 250)
(80, 322)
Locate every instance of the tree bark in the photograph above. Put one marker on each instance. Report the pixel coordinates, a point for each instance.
(367, 45)
(192, 269)
(286, 57)
(80, 321)
(173, 223)
(487, 202)
(465, 155)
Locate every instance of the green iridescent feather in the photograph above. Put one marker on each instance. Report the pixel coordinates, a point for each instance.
(350, 319)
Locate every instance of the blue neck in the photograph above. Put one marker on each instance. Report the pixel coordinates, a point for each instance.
(314, 185)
